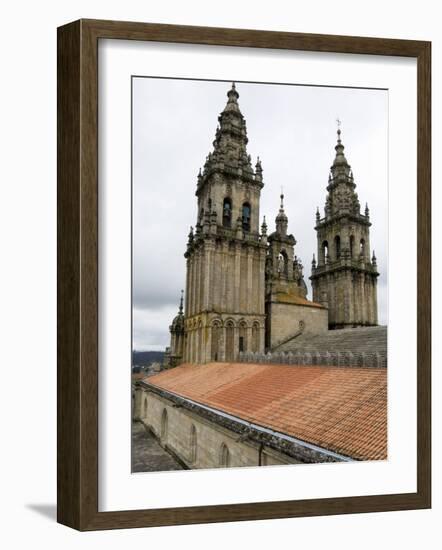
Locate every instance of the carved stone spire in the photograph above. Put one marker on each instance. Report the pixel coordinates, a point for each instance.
(232, 103)
(180, 310)
(229, 155)
(281, 219)
(177, 325)
(264, 226)
(343, 264)
(258, 171)
(340, 160)
(341, 198)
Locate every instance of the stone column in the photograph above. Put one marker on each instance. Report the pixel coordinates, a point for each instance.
(363, 300)
(197, 293)
(369, 299)
(237, 275)
(208, 275)
(207, 346)
(367, 247)
(250, 289)
(261, 277)
(261, 339)
(197, 346)
(222, 345)
(248, 343)
(235, 343)
(289, 252)
(186, 298)
(225, 276)
(375, 300)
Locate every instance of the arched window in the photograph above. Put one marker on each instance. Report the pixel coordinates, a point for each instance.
(230, 331)
(242, 336)
(224, 456)
(352, 246)
(246, 215)
(283, 263)
(193, 444)
(164, 426)
(227, 212)
(216, 336)
(362, 247)
(145, 408)
(337, 247)
(255, 337)
(324, 251)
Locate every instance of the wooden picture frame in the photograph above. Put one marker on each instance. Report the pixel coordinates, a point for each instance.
(77, 459)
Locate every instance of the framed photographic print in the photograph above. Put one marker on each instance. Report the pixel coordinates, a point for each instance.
(243, 274)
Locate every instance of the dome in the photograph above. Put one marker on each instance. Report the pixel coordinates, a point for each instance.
(178, 322)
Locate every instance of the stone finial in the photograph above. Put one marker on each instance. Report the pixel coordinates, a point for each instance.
(180, 310)
(281, 219)
(264, 226)
(340, 161)
(258, 171)
(190, 239)
(232, 93)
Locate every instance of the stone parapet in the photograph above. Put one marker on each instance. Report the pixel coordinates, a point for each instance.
(330, 358)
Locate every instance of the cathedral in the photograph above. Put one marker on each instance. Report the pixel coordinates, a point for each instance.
(245, 289)
(262, 375)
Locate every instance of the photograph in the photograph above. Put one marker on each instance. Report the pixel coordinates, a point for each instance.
(259, 274)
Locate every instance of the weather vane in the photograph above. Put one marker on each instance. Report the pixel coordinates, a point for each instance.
(338, 122)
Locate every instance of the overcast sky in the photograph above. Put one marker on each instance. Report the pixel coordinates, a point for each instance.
(293, 131)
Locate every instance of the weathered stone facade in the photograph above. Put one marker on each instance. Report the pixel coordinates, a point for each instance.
(287, 320)
(224, 306)
(288, 312)
(344, 278)
(245, 291)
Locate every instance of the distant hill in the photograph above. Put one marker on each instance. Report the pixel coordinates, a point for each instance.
(145, 358)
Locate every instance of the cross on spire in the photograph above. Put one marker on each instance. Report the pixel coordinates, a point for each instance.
(338, 122)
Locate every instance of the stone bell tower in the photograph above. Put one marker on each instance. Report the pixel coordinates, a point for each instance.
(284, 270)
(288, 311)
(224, 299)
(344, 278)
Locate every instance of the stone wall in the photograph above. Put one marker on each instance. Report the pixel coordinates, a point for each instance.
(287, 320)
(196, 441)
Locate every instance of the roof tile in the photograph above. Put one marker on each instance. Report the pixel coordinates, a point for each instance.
(343, 409)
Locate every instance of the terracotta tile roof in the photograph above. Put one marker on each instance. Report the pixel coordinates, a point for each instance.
(290, 298)
(343, 409)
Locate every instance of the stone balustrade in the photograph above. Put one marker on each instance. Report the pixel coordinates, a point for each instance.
(330, 358)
